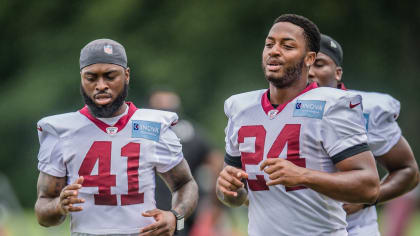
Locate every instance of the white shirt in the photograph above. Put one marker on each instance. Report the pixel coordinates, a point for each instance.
(381, 112)
(117, 162)
(317, 129)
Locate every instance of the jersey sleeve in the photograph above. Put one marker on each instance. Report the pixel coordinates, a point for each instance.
(344, 128)
(168, 151)
(233, 155)
(383, 129)
(50, 156)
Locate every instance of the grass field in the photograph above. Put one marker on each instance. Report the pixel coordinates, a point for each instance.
(25, 225)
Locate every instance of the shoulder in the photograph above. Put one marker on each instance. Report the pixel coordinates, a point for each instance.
(325, 93)
(378, 102)
(239, 102)
(332, 97)
(166, 118)
(61, 123)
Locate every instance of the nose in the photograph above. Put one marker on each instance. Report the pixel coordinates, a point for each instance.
(101, 85)
(274, 51)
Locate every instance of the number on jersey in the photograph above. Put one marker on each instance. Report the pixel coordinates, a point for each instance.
(101, 151)
(289, 135)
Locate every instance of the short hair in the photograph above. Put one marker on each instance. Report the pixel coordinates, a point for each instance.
(310, 30)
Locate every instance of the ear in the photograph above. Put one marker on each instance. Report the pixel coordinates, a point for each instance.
(127, 75)
(310, 58)
(338, 73)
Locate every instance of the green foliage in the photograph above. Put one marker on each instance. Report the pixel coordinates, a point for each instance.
(205, 50)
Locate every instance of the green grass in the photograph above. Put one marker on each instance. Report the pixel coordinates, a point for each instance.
(26, 224)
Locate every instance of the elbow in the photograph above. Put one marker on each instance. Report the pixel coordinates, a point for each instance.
(412, 177)
(40, 219)
(371, 193)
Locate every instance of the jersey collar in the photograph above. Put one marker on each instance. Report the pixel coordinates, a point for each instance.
(121, 123)
(266, 104)
(341, 86)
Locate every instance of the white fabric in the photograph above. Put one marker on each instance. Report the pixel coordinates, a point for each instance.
(64, 143)
(112, 120)
(299, 212)
(383, 129)
(382, 111)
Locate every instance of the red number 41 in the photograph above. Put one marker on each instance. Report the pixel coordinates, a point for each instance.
(104, 180)
(289, 134)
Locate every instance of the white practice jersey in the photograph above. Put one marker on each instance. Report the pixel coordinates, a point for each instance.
(316, 130)
(381, 112)
(118, 164)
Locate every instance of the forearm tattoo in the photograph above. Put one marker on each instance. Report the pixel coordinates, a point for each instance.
(49, 189)
(183, 187)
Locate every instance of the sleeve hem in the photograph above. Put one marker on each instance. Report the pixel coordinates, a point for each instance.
(392, 143)
(349, 152)
(168, 168)
(43, 167)
(233, 160)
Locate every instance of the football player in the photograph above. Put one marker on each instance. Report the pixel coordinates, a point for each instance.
(389, 147)
(301, 149)
(98, 164)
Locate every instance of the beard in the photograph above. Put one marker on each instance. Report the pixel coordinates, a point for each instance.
(291, 74)
(108, 110)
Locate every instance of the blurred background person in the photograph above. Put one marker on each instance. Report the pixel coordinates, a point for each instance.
(9, 204)
(385, 139)
(205, 163)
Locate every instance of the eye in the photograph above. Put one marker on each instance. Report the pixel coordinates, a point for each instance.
(288, 47)
(269, 45)
(110, 77)
(318, 64)
(90, 78)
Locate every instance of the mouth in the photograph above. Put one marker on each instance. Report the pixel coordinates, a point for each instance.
(102, 99)
(274, 65)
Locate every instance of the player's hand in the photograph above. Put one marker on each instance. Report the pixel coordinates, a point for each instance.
(69, 196)
(282, 171)
(351, 208)
(229, 180)
(164, 225)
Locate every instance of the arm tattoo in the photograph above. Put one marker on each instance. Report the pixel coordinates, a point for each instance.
(49, 189)
(183, 187)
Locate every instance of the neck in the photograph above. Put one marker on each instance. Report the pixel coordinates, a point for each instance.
(120, 110)
(283, 95)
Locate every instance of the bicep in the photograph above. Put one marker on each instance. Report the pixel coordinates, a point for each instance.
(176, 177)
(49, 186)
(398, 157)
(360, 161)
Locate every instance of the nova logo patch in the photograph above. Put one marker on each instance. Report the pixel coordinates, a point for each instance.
(145, 129)
(309, 108)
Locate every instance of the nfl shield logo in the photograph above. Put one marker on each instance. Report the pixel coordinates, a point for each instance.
(273, 113)
(108, 49)
(111, 130)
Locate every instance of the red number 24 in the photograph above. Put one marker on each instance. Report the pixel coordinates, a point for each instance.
(289, 134)
(104, 180)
